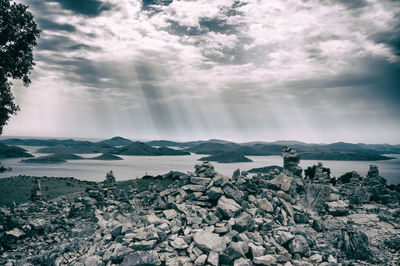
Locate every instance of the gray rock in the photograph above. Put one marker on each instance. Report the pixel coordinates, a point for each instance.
(337, 208)
(298, 245)
(282, 237)
(265, 205)
(228, 207)
(242, 262)
(282, 181)
(243, 222)
(144, 245)
(142, 258)
(209, 241)
(201, 260)
(170, 214)
(215, 193)
(236, 250)
(179, 243)
(265, 260)
(213, 258)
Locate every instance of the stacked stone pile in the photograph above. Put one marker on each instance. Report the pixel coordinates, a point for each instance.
(207, 219)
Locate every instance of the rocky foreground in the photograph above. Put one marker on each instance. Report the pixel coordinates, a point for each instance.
(205, 218)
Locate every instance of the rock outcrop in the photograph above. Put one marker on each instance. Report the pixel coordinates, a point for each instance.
(206, 218)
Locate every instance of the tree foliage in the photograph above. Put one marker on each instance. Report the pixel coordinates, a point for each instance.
(18, 38)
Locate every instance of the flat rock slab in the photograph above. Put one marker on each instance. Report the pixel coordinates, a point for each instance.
(209, 241)
(142, 258)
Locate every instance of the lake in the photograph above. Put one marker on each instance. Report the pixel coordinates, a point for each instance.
(137, 166)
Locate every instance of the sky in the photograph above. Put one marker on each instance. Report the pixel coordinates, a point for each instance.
(310, 70)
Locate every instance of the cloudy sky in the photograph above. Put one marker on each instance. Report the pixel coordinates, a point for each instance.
(311, 70)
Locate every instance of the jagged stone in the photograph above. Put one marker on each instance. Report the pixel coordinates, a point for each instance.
(243, 222)
(337, 208)
(209, 241)
(298, 245)
(215, 193)
(265, 205)
(228, 207)
(242, 262)
(265, 260)
(142, 258)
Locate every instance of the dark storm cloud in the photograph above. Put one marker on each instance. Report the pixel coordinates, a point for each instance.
(62, 44)
(391, 38)
(353, 4)
(206, 25)
(375, 84)
(46, 24)
(84, 7)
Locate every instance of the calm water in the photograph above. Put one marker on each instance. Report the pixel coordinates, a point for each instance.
(137, 166)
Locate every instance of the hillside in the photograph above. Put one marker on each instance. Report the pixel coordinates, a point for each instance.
(143, 149)
(106, 157)
(226, 157)
(55, 158)
(7, 151)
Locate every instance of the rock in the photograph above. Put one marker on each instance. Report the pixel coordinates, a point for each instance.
(282, 237)
(203, 181)
(209, 241)
(179, 243)
(236, 250)
(243, 222)
(282, 181)
(242, 262)
(256, 251)
(265, 260)
(142, 258)
(170, 214)
(298, 245)
(94, 260)
(201, 260)
(337, 208)
(228, 207)
(213, 258)
(15, 233)
(153, 219)
(265, 205)
(215, 193)
(144, 245)
(331, 259)
(316, 258)
(355, 244)
(194, 188)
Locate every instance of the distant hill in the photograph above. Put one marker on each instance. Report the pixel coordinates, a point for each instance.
(115, 141)
(167, 143)
(7, 151)
(143, 149)
(265, 169)
(55, 158)
(226, 157)
(106, 157)
(46, 142)
(62, 149)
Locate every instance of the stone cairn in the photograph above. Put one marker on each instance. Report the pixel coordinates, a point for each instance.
(320, 176)
(291, 160)
(36, 191)
(110, 180)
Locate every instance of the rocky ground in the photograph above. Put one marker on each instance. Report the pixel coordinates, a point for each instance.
(205, 218)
